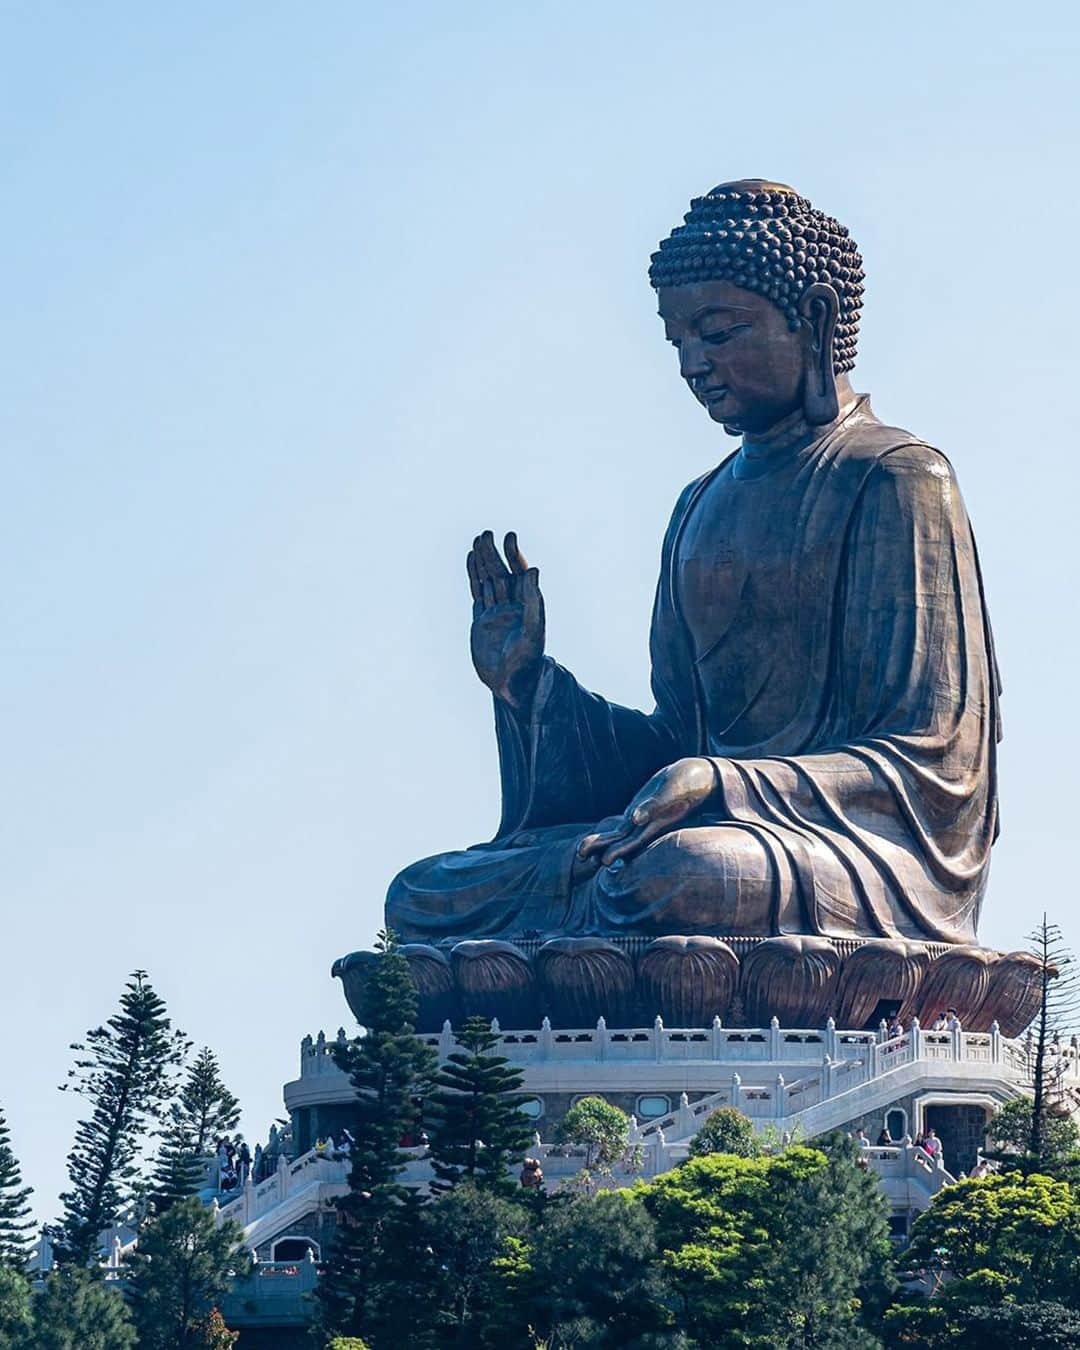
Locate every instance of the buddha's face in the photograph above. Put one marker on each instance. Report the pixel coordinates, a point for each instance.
(737, 353)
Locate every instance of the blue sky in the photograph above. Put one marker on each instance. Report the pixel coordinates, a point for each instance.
(299, 297)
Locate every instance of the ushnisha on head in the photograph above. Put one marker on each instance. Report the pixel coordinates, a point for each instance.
(774, 276)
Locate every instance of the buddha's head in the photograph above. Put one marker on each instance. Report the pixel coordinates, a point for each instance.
(760, 293)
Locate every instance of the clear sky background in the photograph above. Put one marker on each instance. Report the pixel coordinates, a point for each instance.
(297, 298)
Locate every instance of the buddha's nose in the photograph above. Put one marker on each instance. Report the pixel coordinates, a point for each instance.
(692, 362)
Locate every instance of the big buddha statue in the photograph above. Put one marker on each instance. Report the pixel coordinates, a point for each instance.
(803, 823)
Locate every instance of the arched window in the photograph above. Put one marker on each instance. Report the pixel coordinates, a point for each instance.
(896, 1124)
(294, 1249)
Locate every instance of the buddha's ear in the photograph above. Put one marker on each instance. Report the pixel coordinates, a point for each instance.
(819, 308)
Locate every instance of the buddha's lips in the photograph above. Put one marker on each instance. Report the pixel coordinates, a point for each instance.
(713, 395)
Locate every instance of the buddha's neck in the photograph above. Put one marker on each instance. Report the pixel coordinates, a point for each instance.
(795, 428)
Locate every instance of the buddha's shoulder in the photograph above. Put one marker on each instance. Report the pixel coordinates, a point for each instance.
(873, 447)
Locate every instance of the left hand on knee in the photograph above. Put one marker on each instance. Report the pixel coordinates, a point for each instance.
(665, 801)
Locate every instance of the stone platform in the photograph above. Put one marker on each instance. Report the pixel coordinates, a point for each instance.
(689, 980)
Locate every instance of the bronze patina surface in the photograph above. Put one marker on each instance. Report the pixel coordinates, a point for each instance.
(820, 761)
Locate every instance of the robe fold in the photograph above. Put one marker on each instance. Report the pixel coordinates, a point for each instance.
(820, 633)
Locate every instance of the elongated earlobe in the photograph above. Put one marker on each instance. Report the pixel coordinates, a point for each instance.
(819, 307)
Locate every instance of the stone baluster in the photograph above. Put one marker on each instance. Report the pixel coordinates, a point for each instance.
(249, 1199)
(602, 1038)
(916, 1039)
(306, 1052)
(995, 1042)
(446, 1040)
(658, 1038)
(958, 1045)
(830, 1039)
(736, 1091)
(779, 1102)
(717, 1037)
(684, 1121)
(633, 1131)
(547, 1040)
(496, 1030)
(774, 1039)
(659, 1145)
(883, 1031)
(873, 1060)
(827, 1078)
(320, 1044)
(282, 1177)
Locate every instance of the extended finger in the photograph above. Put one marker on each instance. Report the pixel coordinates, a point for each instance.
(594, 843)
(475, 583)
(488, 593)
(640, 839)
(492, 558)
(529, 590)
(514, 555)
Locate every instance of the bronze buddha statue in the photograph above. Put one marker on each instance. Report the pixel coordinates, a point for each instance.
(814, 793)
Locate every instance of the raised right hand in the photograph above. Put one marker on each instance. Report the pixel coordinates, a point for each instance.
(507, 638)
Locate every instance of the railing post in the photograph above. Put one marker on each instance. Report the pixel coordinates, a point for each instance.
(446, 1040)
(736, 1090)
(995, 1042)
(546, 1038)
(916, 1039)
(658, 1038)
(959, 1045)
(774, 1039)
(659, 1145)
(602, 1038)
(249, 1203)
(883, 1031)
(874, 1060)
(283, 1176)
(305, 1053)
(830, 1038)
(685, 1120)
(717, 1037)
(778, 1102)
(633, 1130)
(827, 1078)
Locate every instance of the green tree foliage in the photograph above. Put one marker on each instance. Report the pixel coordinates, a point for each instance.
(775, 1252)
(77, 1310)
(466, 1235)
(1009, 1140)
(368, 1284)
(478, 1130)
(15, 1224)
(598, 1127)
(346, 1343)
(184, 1264)
(16, 1316)
(126, 1070)
(1006, 1236)
(1006, 1326)
(725, 1130)
(1059, 1005)
(596, 1280)
(211, 1333)
(204, 1111)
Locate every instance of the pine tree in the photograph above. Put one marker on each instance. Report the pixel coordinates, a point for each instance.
(478, 1130)
(1058, 1006)
(15, 1224)
(362, 1289)
(184, 1264)
(77, 1310)
(126, 1070)
(204, 1111)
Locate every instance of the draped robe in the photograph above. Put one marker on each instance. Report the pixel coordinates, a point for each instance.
(820, 633)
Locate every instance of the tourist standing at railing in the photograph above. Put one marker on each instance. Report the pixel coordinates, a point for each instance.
(931, 1144)
(244, 1162)
(257, 1164)
(862, 1138)
(884, 1139)
(952, 1021)
(895, 1029)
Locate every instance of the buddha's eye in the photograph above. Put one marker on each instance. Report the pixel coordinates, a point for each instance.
(722, 335)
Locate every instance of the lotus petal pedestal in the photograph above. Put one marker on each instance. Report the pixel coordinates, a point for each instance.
(584, 979)
(495, 980)
(790, 978)
(687, 980)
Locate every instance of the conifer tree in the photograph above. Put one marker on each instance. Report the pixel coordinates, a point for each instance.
(478, 1130)
(361, 1290)
(126, 1070)
(184, 1264)
(1059, 1004)
(15, 1224)
(77, 1310)
(203, 1112)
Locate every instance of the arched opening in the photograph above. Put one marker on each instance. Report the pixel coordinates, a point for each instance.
(294, 1249)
